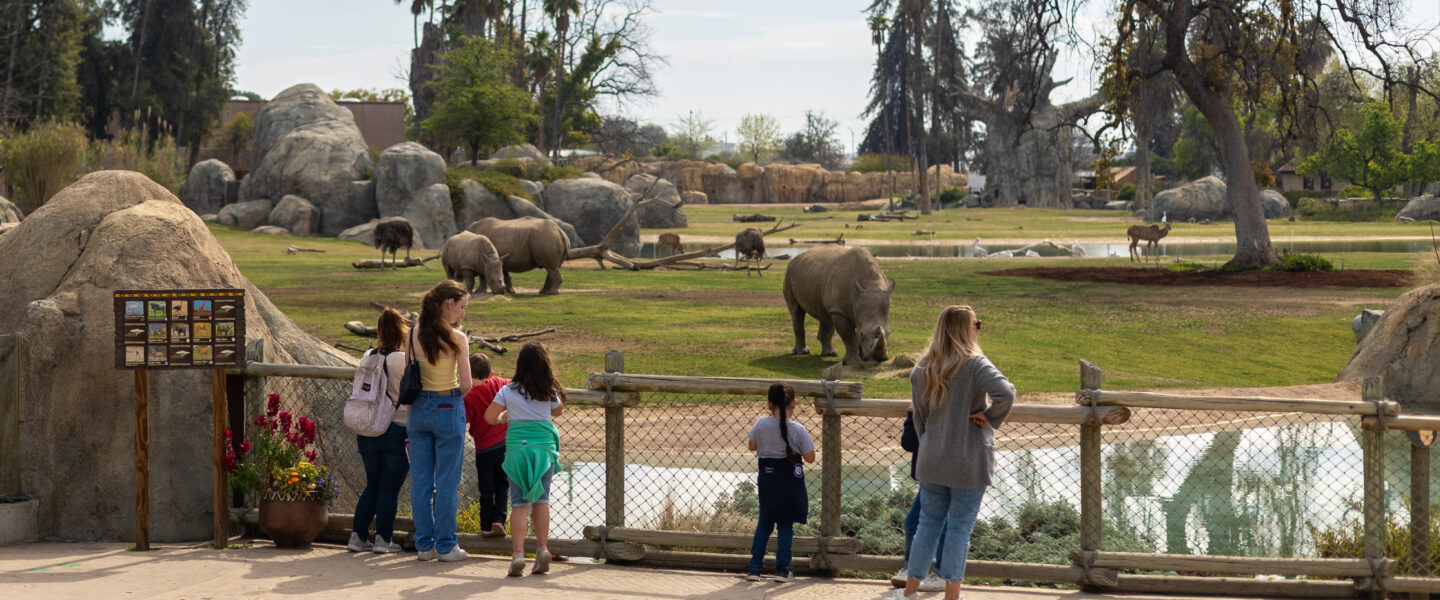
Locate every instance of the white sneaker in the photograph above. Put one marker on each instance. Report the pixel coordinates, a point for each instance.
(384, 546)
(357, 543)
(932, 583)
(898, 580)
(425, 554)
(898, 595)
(455, 554)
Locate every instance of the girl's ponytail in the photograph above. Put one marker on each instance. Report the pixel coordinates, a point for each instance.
(780, 396)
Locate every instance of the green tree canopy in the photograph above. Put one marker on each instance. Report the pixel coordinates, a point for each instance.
(816, 143)
(759, 134)
(1371, 156)
(476, 105)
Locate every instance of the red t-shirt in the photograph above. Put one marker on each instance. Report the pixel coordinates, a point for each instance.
(477, 401)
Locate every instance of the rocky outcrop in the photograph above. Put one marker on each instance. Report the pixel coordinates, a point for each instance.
(666, 211)
(1401, 347)
(593, 206)
(534, 188)
(694, 198)
(480, 202)
(1420, 208)
(249, 214)
(404, 170)
(1274, 204)
(1199, 200)
(205, 187)
(295, 215)
(270, 230)
(432, 215)
(770, 184)
(523, 153)
(9, 213)
(306, 144)
(116, 230)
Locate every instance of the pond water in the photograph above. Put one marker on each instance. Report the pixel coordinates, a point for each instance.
(1255, 492)
(1172, 249)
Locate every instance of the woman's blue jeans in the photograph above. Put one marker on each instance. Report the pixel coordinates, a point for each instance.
(385, 471)
(784, 538)
(437, 453)
(954, 510)
(912, 520)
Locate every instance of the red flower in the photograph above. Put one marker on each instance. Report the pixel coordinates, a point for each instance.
(310, 455)
(272, 406)
(285, 420)
(245, 446)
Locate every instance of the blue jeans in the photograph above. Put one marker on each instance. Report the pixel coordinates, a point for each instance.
(953, 509)
(437, 452)
(385, 469)
(912, 520)
(517, 497)
(784, 539)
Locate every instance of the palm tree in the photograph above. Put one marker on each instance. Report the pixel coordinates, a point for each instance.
(915, 11)
(560, 10)
(878, 25)
(417, 7)
(538, 62)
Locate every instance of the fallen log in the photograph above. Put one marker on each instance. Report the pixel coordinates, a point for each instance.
(361, 329)
(373, 263)
(295, 249)
(839, 240)
(755, 218)
(601, 251)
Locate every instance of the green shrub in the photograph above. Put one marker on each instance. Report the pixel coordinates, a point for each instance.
(1127, 192)
(1355, 191)
(1310, 207)
(511, 167)
(1187, 266)
(953, 195)
(877, 163)
(1318, 209)
(552, 174)
(1302, 263)
(133, 151)
(1347, 540)
(42, 161)
(497, 182)
(1294, 196)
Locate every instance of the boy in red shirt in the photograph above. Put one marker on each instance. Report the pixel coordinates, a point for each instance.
(489, 445)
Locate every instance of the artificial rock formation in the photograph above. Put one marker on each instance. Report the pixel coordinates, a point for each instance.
(404, 170)
(1201, 199)
(1401, 347)
(250, 214)
(480, 202)
(665, 211)
(593, 206)
(118, 230)
(205, 187)
(1420, 208)
(307, 145)
(295, 215)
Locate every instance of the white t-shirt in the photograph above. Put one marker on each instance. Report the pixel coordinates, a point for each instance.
(520, 408)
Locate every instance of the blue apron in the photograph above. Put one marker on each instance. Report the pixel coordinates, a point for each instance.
(782, 490)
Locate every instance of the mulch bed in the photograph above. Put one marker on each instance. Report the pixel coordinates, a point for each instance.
(1349, 278)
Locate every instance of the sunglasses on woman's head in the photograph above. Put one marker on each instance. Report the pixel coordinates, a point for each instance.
(977, 324)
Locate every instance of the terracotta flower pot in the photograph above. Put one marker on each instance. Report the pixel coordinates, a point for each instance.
(292, 523)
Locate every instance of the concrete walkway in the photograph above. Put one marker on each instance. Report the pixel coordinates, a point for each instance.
(52, 571)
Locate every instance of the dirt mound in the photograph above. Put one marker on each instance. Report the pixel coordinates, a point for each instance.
(1350, 278)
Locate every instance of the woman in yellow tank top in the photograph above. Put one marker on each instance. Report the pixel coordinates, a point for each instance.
(437, 421)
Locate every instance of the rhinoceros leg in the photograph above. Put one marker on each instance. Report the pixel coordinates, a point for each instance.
(797, 321)
(826, 336)
(846, 329)
(509, 289)
(552, 282)
(468, 280)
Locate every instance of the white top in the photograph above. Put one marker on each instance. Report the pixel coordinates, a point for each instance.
(769, 444)
(520, 408)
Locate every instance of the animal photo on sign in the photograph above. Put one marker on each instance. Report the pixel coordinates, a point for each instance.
(134, 355)
(157, 332)
(179, 332)
(201, 331)
(135, 333)
(225, 309)
(204, 354)
(180, 355)
(157, 310)
(224, 330)
(135, 310)
(156, 356)
(201, 309)
(225, 356)
(178, 309)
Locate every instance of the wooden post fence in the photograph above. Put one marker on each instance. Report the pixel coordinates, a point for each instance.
(142, 459)
(1372, 447)
(614, 447)
(1091, 518)
(1420, 509)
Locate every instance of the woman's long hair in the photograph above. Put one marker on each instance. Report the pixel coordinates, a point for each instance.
(952, 345)
(434, 334)
(780, 396)
(390, 329)
(535, 374)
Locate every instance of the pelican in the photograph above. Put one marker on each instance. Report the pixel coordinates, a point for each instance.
(1031, 254)
(1002, 254)
(978, 251)
(1076, 248)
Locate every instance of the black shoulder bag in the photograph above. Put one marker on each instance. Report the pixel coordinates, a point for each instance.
(410, 382)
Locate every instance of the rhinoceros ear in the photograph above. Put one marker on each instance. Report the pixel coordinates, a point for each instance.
(891, 289)
(507, 255)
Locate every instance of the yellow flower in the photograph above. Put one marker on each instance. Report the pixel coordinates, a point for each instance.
(306, 464)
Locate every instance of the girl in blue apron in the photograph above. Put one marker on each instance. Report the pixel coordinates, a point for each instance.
(779, 445)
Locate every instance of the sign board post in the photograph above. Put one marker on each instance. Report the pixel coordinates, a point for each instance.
(179, 329)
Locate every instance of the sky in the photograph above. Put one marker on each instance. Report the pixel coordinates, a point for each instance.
(726, 59)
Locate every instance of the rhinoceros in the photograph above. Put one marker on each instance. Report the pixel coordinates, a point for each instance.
(845, 290)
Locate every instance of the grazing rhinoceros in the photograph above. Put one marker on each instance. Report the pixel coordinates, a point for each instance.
(845, 290)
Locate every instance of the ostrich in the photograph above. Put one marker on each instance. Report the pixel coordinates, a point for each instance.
(392, 233)
(977, 250)
(750, 245)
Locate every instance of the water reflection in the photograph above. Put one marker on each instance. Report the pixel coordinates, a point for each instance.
(1178, 249)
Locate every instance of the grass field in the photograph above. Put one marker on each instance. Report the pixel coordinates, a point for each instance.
(964, 225)
(725, 324)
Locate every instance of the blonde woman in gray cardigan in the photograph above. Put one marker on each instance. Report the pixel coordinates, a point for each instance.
(948, 390)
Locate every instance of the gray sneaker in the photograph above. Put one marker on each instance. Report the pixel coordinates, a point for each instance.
(425, 554)
(932, 583)
(542, 562)
(384, 546)
(357, 543)
(517, 566)
(455, 554)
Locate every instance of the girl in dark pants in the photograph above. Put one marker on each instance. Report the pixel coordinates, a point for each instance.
(386, 464)
(779, 444)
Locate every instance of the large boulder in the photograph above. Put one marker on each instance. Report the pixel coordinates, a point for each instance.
(403, 171)
(666, 212)
(295, 215)
(365, 234)
(270, 230)
(480, 202)
(250, 214)
(694, 198)
(1200, 200)
(9, 213)
(432, 215)
(1420, 208)
(522, 153)
(534, 188)
(205, 187)
(116, 230)
(306, 144)
(1401, 347)
(593, 206)
(1274, 204)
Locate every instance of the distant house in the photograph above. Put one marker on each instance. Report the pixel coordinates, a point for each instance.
(1121, 176)
(1287, 179)
(382, 124)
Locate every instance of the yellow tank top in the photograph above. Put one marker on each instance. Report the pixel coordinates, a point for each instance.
(439, 377)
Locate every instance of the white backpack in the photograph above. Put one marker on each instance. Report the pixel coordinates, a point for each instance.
(369, 410)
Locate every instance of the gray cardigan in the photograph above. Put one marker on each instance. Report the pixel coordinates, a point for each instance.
(953, 451)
